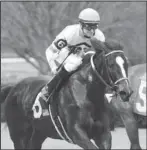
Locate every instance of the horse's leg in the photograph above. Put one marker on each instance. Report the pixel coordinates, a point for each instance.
(36, 140)
(18, 126)
(20, 138)
(103, 139)
(126, 113)
(28, 134)
(79, 137)
(78, 134)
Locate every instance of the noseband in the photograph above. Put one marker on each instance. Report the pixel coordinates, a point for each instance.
(112, 85)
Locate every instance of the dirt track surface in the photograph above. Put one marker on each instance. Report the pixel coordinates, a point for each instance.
(119, 140)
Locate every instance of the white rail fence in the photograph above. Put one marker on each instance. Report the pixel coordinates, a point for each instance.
(15, 60)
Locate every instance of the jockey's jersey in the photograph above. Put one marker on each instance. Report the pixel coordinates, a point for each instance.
(72, 35)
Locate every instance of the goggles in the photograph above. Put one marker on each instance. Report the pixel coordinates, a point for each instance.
(90, 26)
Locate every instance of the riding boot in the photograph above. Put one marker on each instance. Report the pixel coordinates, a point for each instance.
(53, 84)
(47, 91)
(60, 76)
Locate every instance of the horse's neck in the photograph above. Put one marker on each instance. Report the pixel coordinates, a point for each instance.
(95, 87)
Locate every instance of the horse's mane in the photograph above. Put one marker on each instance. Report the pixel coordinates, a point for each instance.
(107, 46)
(113, 45)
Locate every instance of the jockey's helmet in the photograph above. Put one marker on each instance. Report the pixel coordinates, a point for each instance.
(89, 20)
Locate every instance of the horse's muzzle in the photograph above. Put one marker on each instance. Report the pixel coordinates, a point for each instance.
(125, 91)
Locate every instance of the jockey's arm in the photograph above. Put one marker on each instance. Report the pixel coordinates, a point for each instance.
(53, 53)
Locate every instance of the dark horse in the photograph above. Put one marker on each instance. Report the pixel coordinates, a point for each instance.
(82, 106)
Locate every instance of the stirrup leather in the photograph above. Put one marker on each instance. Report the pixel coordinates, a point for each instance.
(44, 93)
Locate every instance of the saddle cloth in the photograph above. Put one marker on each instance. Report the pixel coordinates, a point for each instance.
(40, 107)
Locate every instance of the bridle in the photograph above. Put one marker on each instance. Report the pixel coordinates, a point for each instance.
(110, 85)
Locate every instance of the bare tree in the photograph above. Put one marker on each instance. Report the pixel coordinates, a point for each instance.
(28, 28)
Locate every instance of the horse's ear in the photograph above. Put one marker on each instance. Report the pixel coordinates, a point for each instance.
(97, 45)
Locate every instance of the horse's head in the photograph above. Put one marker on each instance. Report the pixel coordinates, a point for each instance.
(110, 65)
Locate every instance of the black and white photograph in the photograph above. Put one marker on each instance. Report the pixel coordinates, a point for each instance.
(73, 75)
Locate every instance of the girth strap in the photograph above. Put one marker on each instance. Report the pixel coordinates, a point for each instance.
(57, 129)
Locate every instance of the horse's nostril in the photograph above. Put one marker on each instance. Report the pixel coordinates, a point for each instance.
(123, 93)
(115, 88)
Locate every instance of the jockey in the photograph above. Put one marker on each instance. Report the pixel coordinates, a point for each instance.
(61, 52)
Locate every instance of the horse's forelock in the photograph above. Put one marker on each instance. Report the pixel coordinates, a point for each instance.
(107, 46)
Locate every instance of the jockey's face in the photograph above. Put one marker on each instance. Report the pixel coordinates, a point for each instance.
(89, 29)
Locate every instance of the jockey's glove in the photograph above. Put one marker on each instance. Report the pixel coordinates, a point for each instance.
(75, 49)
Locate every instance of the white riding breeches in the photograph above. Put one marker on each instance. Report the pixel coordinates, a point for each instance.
(72, 62)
